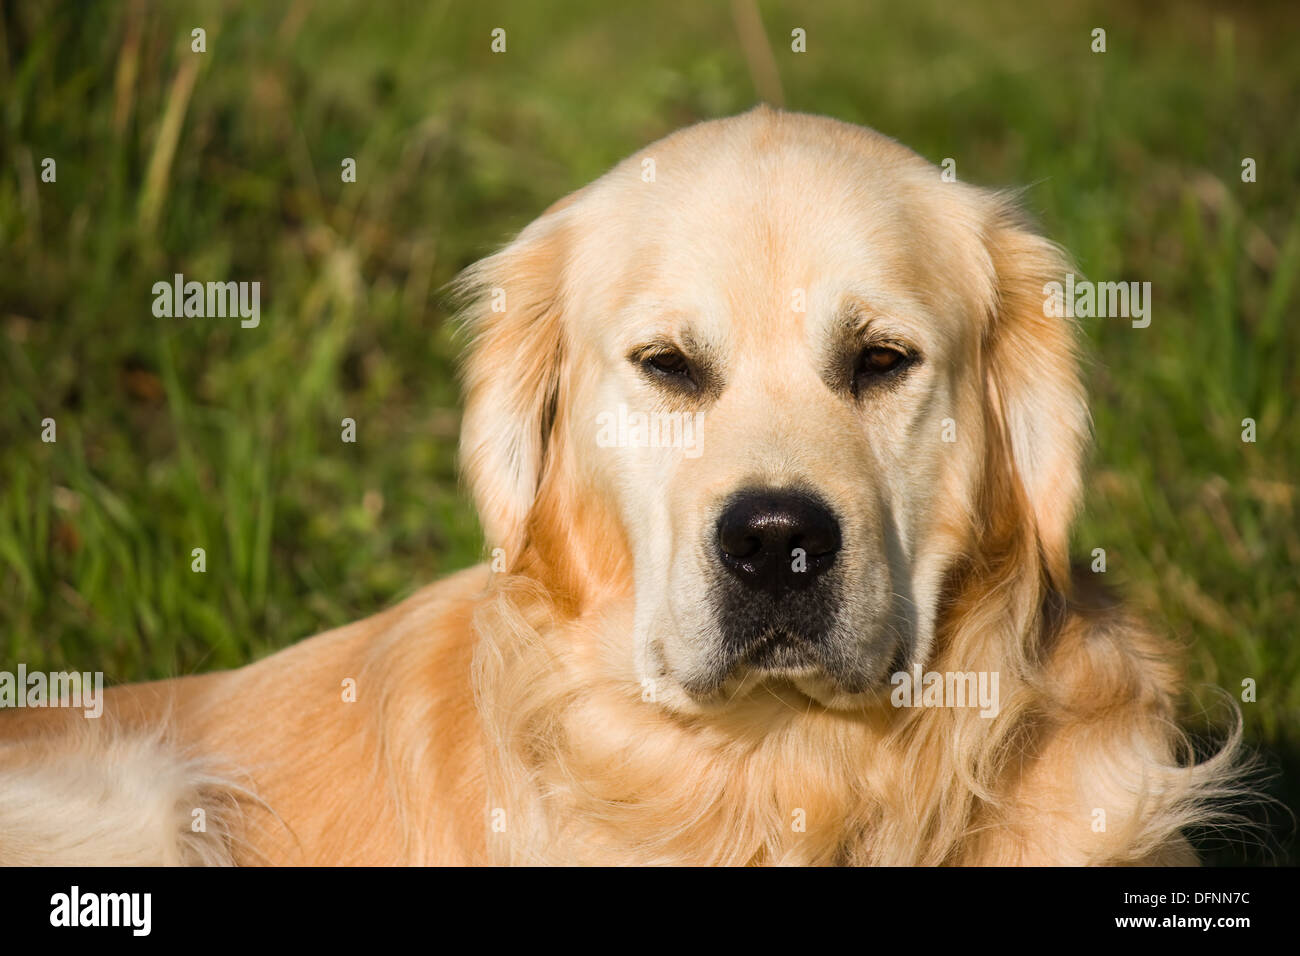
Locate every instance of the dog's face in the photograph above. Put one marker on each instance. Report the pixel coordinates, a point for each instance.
(765, 352)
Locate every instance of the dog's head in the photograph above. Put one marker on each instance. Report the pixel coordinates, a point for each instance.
(762, 380)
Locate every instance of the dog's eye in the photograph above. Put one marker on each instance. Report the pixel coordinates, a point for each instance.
(878, 363)
(667, 362)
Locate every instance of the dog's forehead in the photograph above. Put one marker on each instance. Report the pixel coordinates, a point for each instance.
(776, 218)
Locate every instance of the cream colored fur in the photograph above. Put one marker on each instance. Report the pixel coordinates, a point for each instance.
(544, 713)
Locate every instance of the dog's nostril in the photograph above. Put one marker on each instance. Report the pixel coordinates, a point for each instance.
(737, 542)
(777, 540)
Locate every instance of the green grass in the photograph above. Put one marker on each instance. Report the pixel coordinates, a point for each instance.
(177, 434)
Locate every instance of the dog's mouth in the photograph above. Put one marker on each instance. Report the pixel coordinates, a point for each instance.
(791, 632)
(821, 664)
(781, 650)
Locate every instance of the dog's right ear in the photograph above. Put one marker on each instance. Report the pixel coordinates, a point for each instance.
(512, 373)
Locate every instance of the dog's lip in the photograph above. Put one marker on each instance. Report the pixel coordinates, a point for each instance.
(776, 637)
(809, 672)
(802, 660)
(742, 667)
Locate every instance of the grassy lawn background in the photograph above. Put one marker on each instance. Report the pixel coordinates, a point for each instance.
(175, 434)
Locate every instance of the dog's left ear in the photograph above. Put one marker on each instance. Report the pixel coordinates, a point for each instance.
(1032, 374)
(512, 373)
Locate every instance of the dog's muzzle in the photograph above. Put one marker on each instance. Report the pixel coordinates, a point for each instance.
(778, 588)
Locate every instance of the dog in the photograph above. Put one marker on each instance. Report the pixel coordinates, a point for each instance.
(770, 436)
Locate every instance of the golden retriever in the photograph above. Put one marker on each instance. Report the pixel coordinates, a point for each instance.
(776, 449)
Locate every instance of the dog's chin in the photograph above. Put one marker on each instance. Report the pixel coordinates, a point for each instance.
(786, 686)
(835, 696)
(789, 676)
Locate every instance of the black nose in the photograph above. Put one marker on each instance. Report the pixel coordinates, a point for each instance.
(777, 540)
